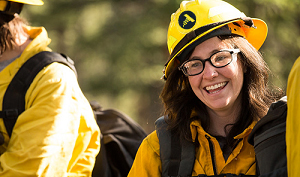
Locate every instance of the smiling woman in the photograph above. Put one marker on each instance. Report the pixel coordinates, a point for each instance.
(216, 90)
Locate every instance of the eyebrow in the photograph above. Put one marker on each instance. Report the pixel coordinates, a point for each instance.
(214, 51)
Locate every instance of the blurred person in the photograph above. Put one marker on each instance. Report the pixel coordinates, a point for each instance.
(292, 122)
(57, 134)
(215, 92)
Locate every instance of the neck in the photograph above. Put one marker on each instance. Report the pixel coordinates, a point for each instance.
(221, 121)
(21, 44)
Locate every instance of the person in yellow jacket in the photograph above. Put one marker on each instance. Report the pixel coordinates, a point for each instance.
(56, 135)
(216, 90)
(292, 121)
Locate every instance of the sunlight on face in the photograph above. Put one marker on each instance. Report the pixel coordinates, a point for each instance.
(217, 88)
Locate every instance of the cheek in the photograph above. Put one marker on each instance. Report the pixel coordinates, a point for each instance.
(236, 68)
(239, 77)
(194, 81)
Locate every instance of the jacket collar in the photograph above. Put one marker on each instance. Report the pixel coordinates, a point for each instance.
(196, 128)
(39, 43)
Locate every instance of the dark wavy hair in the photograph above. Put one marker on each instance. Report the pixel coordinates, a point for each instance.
(10, 30)
(180, 101)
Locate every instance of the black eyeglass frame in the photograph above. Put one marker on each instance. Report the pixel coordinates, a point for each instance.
(233, 53)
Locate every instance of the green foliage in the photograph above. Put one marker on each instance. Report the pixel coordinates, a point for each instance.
(119, 47)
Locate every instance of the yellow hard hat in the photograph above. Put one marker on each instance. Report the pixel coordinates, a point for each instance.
(198, 20)
(11, 7)
(31, 2)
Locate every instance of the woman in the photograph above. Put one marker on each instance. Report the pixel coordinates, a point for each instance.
(215, 92)
(56, 133)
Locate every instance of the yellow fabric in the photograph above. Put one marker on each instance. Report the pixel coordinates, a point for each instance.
(31, 2)
(242, 159)
(293, 121)
(57, 134)
(3, 5)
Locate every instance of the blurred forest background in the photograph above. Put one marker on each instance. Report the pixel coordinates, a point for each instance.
(119, 46)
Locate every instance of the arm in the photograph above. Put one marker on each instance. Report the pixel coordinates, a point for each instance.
(45, 139)
(293, 121)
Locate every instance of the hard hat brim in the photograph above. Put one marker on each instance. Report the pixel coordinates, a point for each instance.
(255, 36)
(30, 2)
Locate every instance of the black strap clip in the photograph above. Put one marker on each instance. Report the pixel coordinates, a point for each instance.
(9, 113)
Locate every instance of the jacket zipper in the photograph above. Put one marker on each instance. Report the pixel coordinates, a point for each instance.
(212, 153)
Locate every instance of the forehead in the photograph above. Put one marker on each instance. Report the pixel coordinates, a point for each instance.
(210, 46)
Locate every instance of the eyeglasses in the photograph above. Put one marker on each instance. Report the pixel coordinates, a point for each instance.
(219, 59)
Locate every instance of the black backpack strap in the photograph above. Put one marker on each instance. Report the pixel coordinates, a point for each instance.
(14, 97)
(177, 156)
(228, 175)
(268, 139)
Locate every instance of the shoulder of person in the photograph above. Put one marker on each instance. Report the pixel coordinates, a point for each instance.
(152, 141)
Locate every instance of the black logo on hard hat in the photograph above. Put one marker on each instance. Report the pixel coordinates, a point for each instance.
(187, 19)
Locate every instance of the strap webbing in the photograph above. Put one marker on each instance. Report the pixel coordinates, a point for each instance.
(175, 156)
(228, 175)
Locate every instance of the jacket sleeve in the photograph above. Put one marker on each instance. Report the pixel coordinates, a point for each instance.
(147, 161)
(57, 134)
(293, 121)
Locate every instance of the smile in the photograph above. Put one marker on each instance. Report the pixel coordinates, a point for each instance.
(215, 88)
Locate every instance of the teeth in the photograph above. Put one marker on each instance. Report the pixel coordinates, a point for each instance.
(215, 86)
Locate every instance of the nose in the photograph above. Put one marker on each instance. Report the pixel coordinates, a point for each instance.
(209, 71)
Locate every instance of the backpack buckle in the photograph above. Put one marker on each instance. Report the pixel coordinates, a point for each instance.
(11, 113)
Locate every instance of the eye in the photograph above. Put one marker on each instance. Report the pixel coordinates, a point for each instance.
(195, 64)
(221, 57)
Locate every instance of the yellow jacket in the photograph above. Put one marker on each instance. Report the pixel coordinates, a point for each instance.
(56, 135)
(293, 121)
(241, 161)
